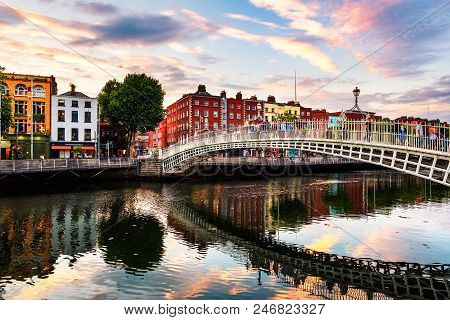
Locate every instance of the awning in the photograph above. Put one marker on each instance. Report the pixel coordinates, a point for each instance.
(61, 147)
(88, 148)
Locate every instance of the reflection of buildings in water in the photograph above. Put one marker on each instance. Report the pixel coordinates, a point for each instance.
(264, 207)
(236, 210)
(30, 242)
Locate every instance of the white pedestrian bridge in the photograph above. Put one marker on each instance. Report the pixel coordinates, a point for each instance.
(419, 150)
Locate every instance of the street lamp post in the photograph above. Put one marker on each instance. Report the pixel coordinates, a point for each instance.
(32, 122)
(1, 133)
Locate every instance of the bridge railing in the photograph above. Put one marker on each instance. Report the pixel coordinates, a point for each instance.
(48, 165)
(419, 136)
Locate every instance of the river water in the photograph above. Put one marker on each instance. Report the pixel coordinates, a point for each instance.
(132, 241)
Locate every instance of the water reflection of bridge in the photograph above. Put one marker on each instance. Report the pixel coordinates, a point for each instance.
(286, 273)
(370, 278)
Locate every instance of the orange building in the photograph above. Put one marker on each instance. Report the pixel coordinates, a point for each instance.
(31, 108)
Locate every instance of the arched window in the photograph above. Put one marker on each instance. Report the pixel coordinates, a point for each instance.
(20, 90)
(4, 89)
(39, 91)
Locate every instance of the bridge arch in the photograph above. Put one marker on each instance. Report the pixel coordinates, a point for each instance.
(412, 155)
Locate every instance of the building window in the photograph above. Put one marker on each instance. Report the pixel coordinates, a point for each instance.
(238, 106)
(38, 107)
(231, 116)
(196, 125)
(248, 108)
(88, 104)
(20, 107)
(39, 92)
(4, 89)
(253, 108)
(206, 103)
(20, 90)
(87, 117)
(215, 114)
(196, 113)
(238, 116)
(290, 111)
(61, 134)
(308, 114)
(87, 135)
(302, 113)
(216, 104)
(39, 127)
(295, 112)
(20, 126)
(273, 110)
(61, 116)
(74, 134)
(231, 126)
(74, 116)
(74, 103)
(232, 106)
(215, 125)
(61, 103)
(205, 113)
(196, 102)
(267, 109)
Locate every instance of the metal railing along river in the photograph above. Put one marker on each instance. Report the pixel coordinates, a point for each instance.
(49, 165)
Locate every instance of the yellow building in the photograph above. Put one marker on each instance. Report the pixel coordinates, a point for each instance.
(31, 108)
(274, 109)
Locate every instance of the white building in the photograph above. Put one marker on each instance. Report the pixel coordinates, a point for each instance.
(74, 124)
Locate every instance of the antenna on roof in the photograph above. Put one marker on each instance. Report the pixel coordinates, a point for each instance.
(295, 86)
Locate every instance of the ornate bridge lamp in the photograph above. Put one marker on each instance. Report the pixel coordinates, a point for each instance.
(356, 93)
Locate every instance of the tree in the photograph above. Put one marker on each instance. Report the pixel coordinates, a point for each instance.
(286, 117)
(6, 111)
(134, 105)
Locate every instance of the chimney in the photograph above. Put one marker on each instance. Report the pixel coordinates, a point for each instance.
(271, 99)
(201, 88)
(72, 89)
(239, 96)
(223, 94)
(253, 98)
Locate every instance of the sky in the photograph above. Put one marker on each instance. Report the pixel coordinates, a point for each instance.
(396, 51)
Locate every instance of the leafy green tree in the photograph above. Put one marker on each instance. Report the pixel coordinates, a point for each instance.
(286, 117)
(6, 111)
(134, 105)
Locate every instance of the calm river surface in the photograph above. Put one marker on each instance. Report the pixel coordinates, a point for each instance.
(132, 241)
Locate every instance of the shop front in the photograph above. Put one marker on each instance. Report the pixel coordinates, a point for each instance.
(76, 150)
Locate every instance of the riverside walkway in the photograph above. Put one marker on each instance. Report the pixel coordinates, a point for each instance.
(420, 150)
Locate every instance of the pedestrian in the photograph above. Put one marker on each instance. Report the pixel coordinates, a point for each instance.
(41, 160)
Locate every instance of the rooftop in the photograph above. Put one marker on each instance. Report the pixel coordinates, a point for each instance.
(75, 94)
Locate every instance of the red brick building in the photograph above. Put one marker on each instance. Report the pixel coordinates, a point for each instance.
(253, 110)
(158, 137)
(201, 111)
(235, 113)
(319, 115)
(192, 114)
